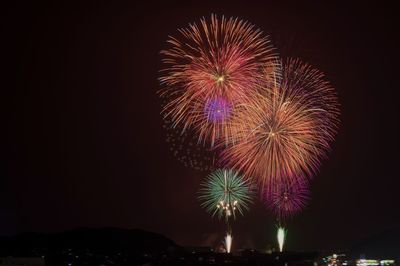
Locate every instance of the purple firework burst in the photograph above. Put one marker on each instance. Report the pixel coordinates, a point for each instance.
(287, 199)
(217, 109)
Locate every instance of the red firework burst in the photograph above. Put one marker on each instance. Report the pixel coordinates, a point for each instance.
(212, 68)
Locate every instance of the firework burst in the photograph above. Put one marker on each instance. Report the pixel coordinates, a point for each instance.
(286, 130)
(287, 199)
(210, 68)
(225, 192)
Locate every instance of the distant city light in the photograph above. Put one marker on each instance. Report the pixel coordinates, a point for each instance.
(365, 262)
(387, 262)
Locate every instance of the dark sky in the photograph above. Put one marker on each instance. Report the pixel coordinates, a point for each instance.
(84, 143)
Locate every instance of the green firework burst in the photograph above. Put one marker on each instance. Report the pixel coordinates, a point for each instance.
(225, 192)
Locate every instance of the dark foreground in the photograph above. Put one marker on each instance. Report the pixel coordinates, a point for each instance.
(110, 246)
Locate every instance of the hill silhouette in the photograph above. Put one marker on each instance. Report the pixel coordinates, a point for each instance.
(103, 241)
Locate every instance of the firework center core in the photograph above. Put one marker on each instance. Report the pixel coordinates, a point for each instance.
(220, 78)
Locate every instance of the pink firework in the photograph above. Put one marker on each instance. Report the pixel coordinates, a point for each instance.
(210, 69)
(287, 199)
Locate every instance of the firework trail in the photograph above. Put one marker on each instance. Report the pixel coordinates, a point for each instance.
(228, 242)
(286, 129)
(281, 237)
(210, 68)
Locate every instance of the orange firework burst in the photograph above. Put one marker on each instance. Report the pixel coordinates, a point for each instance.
(212, 68)
(286, 130)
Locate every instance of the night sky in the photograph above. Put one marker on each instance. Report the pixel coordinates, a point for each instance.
(84, 144)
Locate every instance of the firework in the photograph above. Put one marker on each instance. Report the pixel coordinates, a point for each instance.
(228, 242)
(286, 130)
(225, 192)
(281, 236)
(210, 68)
(287, 199)
(186, 149)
